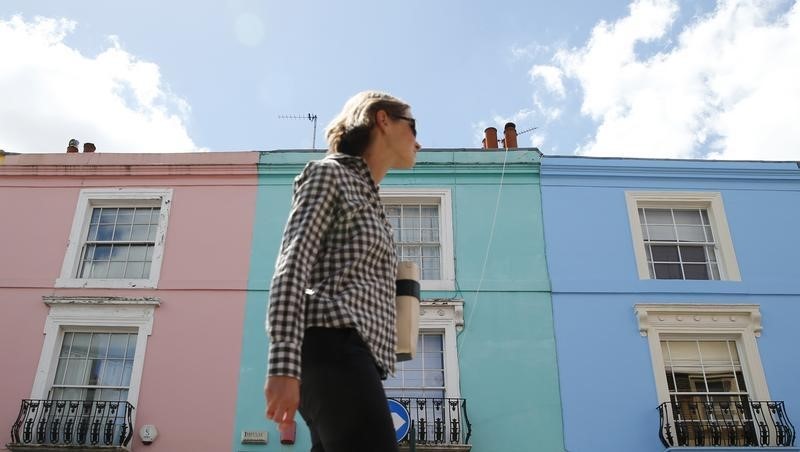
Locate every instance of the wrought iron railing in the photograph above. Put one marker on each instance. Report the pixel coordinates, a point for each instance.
(437, 420)
(73, 423)
(725, 423)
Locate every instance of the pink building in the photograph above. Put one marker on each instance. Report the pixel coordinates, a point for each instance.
(123, 280)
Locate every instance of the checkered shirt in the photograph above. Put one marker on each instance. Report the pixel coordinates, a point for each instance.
(337, 264)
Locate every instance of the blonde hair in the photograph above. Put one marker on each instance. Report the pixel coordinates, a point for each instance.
(349, 132)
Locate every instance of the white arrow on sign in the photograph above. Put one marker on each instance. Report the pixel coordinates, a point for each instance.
(398, 421)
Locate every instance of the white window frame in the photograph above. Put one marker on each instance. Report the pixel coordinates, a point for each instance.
(446, 317)
(711, 201)
(94, 314)
(442, 198)
(739, 322)
(120, 197)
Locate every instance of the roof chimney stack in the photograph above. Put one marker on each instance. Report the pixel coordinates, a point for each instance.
(72, 146)
(490, 140)
(510, 132)
(88, 147)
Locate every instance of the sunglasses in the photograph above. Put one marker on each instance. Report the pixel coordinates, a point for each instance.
(411, 122)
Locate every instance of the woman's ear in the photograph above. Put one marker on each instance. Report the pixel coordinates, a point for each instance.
(381, 119)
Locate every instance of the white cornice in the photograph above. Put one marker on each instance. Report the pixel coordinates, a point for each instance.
(52, 300)
(706, 317)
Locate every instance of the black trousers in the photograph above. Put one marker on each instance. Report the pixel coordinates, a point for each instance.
(341, 396)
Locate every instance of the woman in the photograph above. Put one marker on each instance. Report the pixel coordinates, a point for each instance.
(331, 311)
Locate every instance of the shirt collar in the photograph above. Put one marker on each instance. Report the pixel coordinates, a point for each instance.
(356, 164)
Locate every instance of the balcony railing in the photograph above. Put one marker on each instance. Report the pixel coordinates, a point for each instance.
(64, 423)
(437, 421)
(725, 424)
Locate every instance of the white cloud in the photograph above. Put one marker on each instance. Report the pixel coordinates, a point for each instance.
(51, 93)
(552, 78)
(726, 88)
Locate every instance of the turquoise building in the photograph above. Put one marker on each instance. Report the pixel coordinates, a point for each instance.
(485, 378)
(676, 294)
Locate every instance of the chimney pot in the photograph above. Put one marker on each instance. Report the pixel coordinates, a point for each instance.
(510, 133)
(73, 145)
(88, 147)
(490, 140)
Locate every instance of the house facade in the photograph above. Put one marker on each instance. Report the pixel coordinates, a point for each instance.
(675, 295)
(485, 374)
(123, 284)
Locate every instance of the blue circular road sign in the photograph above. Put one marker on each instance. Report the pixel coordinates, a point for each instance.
(400, 419)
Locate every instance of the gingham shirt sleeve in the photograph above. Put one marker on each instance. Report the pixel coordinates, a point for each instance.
(313, 207)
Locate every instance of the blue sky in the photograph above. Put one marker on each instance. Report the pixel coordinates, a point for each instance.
(642, 78)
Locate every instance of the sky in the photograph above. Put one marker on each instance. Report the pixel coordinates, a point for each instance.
(700, 79)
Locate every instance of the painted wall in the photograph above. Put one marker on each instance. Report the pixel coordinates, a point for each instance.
(506, 351)
(190, 373)
(607, 384)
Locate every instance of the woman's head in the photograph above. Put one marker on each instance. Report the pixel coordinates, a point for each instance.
(350, 131)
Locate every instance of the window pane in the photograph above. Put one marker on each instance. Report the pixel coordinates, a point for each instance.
(76, 372)
(95, 371)
(119, 253)
(695, 271)
(112, 376)
(411, 211)
(691, 234)
(65, 344)
(119, 343)
(95, 216)
(116, 270)
(693, 253)
(664, 253)
(126, 372)
(411, 251)
(151, 234)
(430, 211)
(658, 216)
(60, 371)
(662, 233)
(432, 342)
(99, 345)
(434, 378)
(102, 252)
(125, 216)
(131, 346)
(68, 394)
(137, 253)
(430, 251)
(134, 270)
(108, 215)
(430, 235)
(105, 232)
(140, 232)
(99, 270)
(687, 217)
(668, 271)
(80, 345)
(409, 235)
(92, 232)
(122, 232)
(141, 216)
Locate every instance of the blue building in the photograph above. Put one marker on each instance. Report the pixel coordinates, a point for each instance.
(676, 299)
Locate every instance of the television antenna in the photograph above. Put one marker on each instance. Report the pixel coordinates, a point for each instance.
(311, 117)
(503, 140)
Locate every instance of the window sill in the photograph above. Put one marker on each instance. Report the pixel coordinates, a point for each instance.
(106, 283)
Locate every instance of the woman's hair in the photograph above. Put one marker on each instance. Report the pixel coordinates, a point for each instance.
(349, 132)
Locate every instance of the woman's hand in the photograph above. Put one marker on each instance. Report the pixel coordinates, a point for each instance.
(283, 397)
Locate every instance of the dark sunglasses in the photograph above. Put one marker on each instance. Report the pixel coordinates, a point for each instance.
(411, 122)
